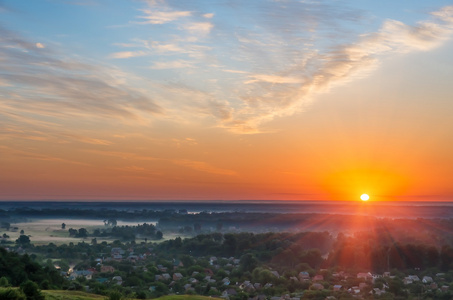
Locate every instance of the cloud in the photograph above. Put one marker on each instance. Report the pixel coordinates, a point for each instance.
(40, 46)
(5, 150)
(191, 164)
(88, 140)
(203, 167)
(162, 17)
(197, 103)
(199, 28)
(272, 79)
(177, 64)
(165, 47)
(128, 54)
(208, 16)
(49, 83)
(274, 95)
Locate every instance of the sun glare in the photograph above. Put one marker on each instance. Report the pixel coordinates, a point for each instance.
(364, 197)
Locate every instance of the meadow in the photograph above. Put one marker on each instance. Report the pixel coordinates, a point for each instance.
(45, 231)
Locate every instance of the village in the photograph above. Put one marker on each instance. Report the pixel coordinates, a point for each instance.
(225, 277)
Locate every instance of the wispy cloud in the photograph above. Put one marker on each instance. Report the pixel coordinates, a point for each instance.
(33, 155)
(178, 64)
(161, 17)
(42, 81)
(204, 167)
(188, 163)
(128, 54)
(272, 79)
(274, 95)
(199, 28)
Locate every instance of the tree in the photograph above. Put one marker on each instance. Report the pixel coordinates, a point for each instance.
(6, 225)
(31, 291)
(23, 240)
(159, 235)
(248, 262)
(22, 232)
(63, 225)
(5, 236)
(4, 282)
(83, 233)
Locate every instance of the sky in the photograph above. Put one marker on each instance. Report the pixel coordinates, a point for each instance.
(226, 100)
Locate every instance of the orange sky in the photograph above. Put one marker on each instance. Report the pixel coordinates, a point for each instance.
(84, 127)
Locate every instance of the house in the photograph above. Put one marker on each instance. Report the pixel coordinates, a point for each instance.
(102, 279)
(166, 276)
(177, 263)
(433, 286)
(107, 269)
(83, 273)
(317, 286)
(337, 287)
(304, 276)
(177, 276)
(407, 280)
(209, 272)
(378, 291)
(247, 286)
(162, 268)
(231, 291)
(193, 280)
(427, 279)
(226, 281)
(132, 258)
(414, 278)
(365, 276)
(117, 257)
(158, 277)
(118, 280)
(318, 278)
(275, 273)
(117, 251)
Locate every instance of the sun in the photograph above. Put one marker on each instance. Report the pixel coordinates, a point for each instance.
(364, 197)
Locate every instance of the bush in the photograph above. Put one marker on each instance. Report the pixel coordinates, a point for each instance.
(11, 294)
(115, 295)
(31, 291)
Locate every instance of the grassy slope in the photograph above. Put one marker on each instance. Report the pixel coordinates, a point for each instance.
(184, 297)
(71, 295)
(76, 295)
